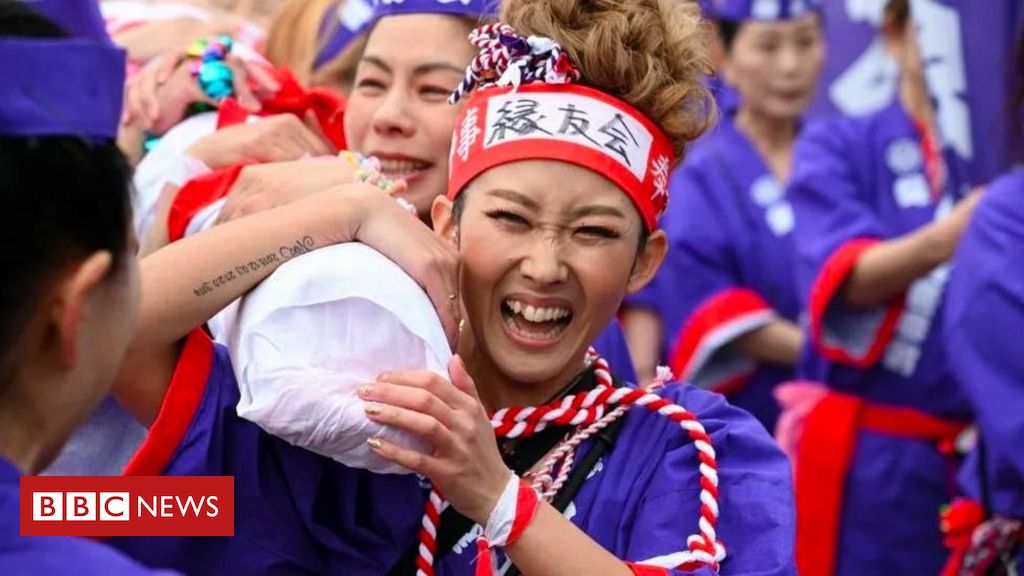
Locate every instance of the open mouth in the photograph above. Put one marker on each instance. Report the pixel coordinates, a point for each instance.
(404, 169)
(538, 325)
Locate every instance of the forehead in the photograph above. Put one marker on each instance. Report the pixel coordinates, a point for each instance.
(416, 38)
(553, 184)
(806, 23)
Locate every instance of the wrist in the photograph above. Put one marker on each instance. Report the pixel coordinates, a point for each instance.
(497, 499)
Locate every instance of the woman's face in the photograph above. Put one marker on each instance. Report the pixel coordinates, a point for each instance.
(774, 65)
(548, 250)
(398, 110)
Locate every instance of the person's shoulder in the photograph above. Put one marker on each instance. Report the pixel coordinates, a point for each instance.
(1005, 194)
(45, 556)
(733, 431)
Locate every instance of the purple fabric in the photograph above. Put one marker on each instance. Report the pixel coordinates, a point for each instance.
(641, 501)
(969, 51)
(986, 312)
(296, 512)
(611, 344)
(299, 513)
(60, 87)
(859, 77)
(730, 227)
(860, 178)
(340, 26)
(52, 556)
(739, 10)
(969, 48)
(344, 34)
(79, 18)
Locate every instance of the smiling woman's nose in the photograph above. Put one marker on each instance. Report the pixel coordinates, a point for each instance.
(543, 261)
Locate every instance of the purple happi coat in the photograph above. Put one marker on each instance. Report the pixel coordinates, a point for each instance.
(52, 555)
(729, 269)
(299, 513)
(883, 444)
(985, 317)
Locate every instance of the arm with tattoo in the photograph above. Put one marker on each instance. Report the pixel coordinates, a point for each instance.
(188, 282)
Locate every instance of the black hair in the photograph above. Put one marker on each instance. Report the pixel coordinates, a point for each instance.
(897, 13)
(727, 32)
(61, 198)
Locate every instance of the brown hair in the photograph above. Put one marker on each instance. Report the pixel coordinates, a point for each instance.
(293, 37)
(649, 53)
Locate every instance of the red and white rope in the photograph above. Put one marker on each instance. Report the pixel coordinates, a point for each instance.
(505, 58)
(590, 410)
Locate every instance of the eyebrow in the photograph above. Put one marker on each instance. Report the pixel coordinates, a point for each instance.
(531, 204)
(420, 70)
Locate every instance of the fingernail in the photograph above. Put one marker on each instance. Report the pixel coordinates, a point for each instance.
(363, 391)
(371, 409)
(383, 376)
(375, 443)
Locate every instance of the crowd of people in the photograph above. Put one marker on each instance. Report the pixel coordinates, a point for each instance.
(507, 286)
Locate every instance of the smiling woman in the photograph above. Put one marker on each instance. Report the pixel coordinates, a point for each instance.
(398, 109)
(553, 198)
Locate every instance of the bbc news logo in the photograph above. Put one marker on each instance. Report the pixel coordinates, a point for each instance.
(127, 506)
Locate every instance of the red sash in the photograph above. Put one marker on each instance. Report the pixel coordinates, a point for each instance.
(824, 456)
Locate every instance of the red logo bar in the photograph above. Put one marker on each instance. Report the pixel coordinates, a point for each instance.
(127, 506)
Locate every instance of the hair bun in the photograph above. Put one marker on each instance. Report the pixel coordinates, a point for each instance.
(649, 53)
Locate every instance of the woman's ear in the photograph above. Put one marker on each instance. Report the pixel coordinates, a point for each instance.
(71, 302)
(444, 220)
(648, 261)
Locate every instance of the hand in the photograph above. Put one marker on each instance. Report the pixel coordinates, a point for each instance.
(264, 186)
(279, 138)
(157, 97)
(432, 262)
(465, 465)
(149, 40)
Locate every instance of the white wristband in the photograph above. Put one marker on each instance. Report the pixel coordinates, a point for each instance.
(499, 523)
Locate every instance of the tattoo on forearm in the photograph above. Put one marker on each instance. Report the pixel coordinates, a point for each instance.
(301, 246)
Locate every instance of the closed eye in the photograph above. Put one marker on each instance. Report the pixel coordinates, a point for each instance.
(508, 217)
(598, 232)
(370, 84)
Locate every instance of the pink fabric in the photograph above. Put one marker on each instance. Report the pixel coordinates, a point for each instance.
(797, 399)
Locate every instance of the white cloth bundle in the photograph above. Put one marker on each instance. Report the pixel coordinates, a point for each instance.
(322, 325)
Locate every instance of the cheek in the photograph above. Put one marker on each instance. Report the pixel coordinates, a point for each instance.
(439, 126)
(358, 112)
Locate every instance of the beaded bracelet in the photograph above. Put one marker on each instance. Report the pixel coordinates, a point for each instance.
(209, 68)
(368, 171)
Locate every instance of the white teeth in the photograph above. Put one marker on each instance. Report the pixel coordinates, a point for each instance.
(536, 314)
(402, 166)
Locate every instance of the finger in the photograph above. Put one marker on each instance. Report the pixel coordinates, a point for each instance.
(410, 397)
(460, 377)
(165, 67)
(409, 459)
(441, 288)
(421, 425)
(240, 81)
(263, 80)
(311, 122)
(311, 142)
(148, 97)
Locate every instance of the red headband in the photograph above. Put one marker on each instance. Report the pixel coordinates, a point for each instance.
(566, 122)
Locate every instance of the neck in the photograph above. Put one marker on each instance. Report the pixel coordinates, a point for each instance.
(497, 390)
(768, 134)
(772, 137)
(916, 100)
(23, 439)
